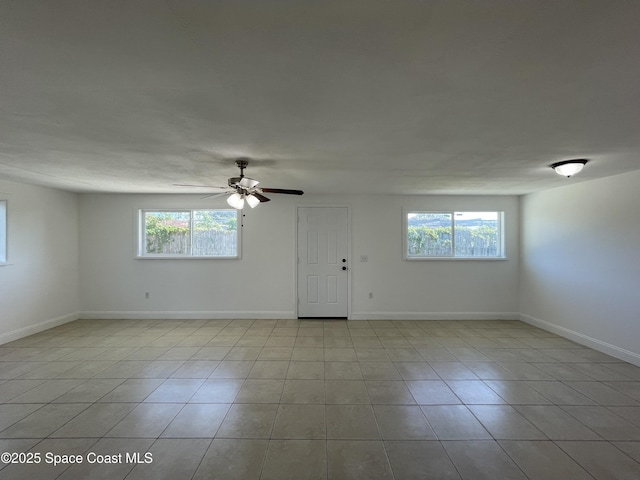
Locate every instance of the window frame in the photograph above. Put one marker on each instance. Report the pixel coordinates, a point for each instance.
(405, 237)
(141, 253)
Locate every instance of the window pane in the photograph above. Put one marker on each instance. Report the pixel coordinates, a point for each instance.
(429, 234)
(215, 233)
(167, 233)
(476, 234)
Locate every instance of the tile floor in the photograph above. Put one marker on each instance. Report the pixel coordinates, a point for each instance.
(312, 399)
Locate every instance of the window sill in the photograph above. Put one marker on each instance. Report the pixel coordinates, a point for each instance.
(457, 259)
(178, 257)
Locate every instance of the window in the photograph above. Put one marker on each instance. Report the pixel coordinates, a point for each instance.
(189, 234)
(3, 231)
(453, 235)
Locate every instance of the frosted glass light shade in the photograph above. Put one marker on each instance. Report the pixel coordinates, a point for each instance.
(569, 167)
(236, 201)
(252, 200)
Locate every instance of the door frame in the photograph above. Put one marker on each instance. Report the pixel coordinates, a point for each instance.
(297, 256)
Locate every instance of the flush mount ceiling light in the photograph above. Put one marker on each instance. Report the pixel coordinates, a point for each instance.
(568, 168)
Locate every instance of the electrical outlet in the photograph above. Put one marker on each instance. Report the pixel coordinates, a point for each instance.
(364, 258)
(147, 295)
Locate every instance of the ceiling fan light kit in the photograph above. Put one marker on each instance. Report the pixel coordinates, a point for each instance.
(567, 168)
(237, 200)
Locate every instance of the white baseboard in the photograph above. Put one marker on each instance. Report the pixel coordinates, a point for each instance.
(186, 315)
(36, 328)
(434, 316)
(586, 340)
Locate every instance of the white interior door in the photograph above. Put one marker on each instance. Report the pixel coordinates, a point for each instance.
(323, 262)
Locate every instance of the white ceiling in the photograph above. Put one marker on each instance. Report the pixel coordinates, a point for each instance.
(393, 96)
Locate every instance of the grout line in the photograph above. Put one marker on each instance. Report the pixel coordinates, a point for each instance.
(391, 346)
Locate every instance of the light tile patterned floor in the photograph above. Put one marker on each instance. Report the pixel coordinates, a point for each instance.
(313, 399)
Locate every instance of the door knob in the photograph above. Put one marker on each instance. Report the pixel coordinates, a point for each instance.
(344, 268)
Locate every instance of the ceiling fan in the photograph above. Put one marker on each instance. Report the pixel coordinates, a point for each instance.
(244, 189)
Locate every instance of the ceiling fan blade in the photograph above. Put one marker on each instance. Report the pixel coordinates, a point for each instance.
(199, 186)
(262, 198)
(214, 195)
(282, 190)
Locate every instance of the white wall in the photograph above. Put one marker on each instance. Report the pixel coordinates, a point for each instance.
(435, 289)
(39, 286)
(262, 283)
(572, 264)
(580, 267)
(259, 285)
